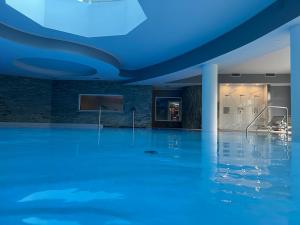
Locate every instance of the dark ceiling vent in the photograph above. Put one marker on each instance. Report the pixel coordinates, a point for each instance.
(236, 75)
(270, 75)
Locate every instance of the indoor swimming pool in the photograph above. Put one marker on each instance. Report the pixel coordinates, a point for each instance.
(58, 176)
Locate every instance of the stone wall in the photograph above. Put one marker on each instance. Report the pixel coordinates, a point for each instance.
(25, 99)
(43, 101)
(191, 108)
(165, 93)
(65, 103)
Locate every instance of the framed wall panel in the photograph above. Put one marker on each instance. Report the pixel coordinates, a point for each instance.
(92, 102)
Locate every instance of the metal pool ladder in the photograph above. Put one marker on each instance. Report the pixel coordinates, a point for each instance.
(286, 117)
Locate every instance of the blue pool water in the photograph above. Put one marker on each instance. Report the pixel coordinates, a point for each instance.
(152, 177)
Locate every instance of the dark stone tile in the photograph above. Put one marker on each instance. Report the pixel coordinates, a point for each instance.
(36, 100)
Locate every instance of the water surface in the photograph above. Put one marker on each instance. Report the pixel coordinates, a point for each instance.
(149, 177)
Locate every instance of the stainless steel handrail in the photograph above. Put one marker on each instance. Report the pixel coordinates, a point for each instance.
(266, 108)
(99, 117)
(133, 110)
(133, 119)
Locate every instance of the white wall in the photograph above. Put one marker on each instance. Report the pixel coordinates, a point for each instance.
(242, 103)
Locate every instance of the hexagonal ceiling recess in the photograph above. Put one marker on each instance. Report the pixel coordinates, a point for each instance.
(88, 18)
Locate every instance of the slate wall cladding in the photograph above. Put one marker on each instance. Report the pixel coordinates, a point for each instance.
(165, 93)
(25, 99)
(65, 103)
(43, 101)
(191, 108)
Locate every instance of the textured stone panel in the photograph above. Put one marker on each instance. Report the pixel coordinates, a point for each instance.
(65, 103)
(25, 99)
(191, 110)
(42, 101)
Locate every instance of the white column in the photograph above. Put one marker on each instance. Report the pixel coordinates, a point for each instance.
(209, 98)
(295, 81)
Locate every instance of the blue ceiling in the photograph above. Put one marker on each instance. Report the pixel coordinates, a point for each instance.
(173, 27)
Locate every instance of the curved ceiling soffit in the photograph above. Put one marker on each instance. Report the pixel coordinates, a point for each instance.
(271, 18)
(36, 41)
(57, 67)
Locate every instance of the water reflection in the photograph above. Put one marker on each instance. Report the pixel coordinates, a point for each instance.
(256, 167)
(117, 222)
(295, 175)
(174, 142)
(71, 195)
(209, 145)
(38, 221)
(192, 179)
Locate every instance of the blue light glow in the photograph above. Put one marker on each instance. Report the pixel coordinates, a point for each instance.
(71, 195)
(96, 19)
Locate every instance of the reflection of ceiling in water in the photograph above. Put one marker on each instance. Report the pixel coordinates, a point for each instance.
(71, 195)
(245, 166)
(38, 221)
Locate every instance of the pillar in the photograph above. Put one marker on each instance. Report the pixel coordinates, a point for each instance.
(209, 98)
(295, 81)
